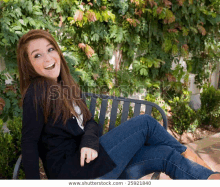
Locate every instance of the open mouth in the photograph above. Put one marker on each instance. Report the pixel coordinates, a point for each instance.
(50, 68)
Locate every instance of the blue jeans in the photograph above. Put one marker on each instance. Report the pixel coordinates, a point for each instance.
(141, 146)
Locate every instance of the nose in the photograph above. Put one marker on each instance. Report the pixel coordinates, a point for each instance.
(47, 57)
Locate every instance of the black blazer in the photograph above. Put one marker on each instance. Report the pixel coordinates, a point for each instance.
(59, 146)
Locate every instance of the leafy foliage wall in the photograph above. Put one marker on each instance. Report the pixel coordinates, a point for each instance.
(145, 35)
(148, 35)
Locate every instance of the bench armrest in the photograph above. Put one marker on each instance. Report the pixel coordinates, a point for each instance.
(17, 167)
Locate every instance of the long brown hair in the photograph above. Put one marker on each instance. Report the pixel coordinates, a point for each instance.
(27, 74)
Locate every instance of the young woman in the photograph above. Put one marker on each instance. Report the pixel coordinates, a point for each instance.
(58, 128)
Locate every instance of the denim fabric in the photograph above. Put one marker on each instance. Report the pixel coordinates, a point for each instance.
(141, 146)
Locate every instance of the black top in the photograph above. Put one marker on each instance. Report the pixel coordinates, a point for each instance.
(59, 146)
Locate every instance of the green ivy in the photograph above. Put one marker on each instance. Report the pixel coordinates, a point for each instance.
(11, 95)
(149, 35)
(10, 145)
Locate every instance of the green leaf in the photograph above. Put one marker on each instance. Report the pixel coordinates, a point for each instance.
(7, 103)
(29, 6)
(17, 28)
(17, 12)
(22, 22)
(194, 29)
(95, 37)
(113, 31)
(31, 21)
(4, 41)
(119, 36)
(10, 93)
(149, 63)
(38, 13)
(143, 71)
(19, 33)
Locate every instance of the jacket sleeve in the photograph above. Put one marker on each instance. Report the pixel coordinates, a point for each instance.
(91, 137)
(32, 126)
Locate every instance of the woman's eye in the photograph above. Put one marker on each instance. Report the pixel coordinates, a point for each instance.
(51, 49)
(37, 56)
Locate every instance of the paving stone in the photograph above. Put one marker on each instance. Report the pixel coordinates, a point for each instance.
(209, 150)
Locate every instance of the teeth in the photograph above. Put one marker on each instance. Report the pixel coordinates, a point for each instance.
(49, 66)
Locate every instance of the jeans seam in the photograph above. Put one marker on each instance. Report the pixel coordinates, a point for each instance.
(157, 137)
(166, 161)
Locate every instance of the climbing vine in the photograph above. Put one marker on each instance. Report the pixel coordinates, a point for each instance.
(148, 35)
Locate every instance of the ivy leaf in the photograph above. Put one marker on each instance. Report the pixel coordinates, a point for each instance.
(7, 21)
(17, 28)
(119, 36)
(10, 93)
(149, 63)
(13, 15)
(29, 6)
(38, 13)
(12, 39)
(113, 31)
(25, 21)
(31, 21)
(4, 41)
(194, 29)
(70, 58)
(95, 37)
(144, 72)
(54, 4)
(148, 10)
(7, 103)
(22, 22)
(17, 12)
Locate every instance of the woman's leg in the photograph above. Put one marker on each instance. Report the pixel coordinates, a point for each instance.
(162, 158)
(124, 141)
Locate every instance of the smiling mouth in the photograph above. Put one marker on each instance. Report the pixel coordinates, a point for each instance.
(50, 68)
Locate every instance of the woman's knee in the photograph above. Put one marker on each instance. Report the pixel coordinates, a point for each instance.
(145, 117)
(148, 120)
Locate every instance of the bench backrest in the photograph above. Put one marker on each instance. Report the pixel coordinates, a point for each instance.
(113, 115)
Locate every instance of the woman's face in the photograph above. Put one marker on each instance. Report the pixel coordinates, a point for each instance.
(44, 58)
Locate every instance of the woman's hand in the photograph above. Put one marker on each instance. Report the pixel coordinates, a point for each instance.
(89, 154)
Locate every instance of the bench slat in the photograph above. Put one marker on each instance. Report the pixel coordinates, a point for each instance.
(93, 105)
(113, 114)
(137, 109)
(148, 109)
(124, 116)
(102, 113)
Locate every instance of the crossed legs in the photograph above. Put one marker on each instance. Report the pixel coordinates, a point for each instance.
(133, 138)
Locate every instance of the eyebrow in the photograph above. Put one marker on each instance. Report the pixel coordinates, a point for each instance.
(38, 49)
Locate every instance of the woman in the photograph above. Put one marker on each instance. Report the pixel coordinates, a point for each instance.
(58, 127)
